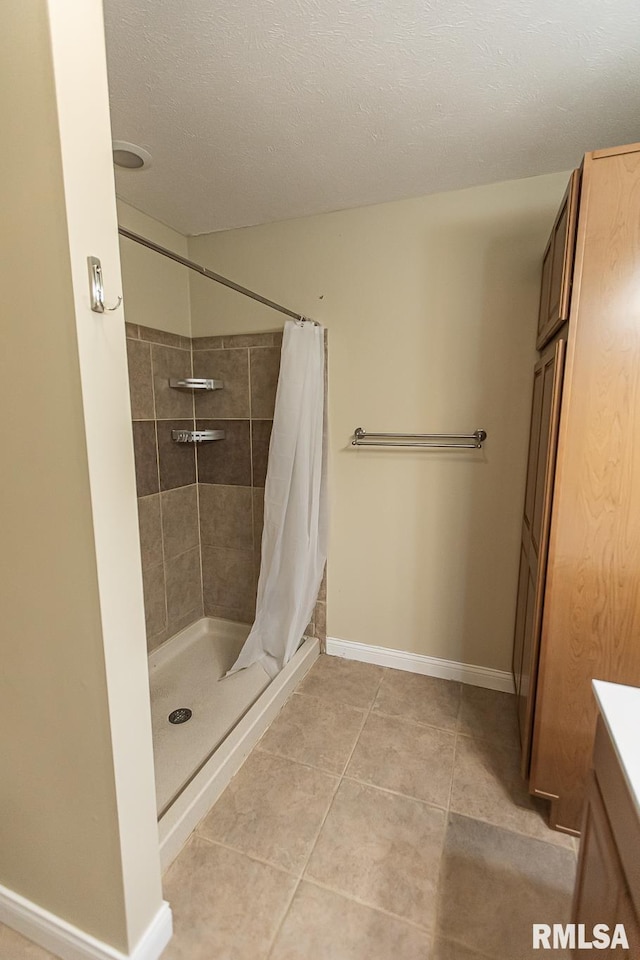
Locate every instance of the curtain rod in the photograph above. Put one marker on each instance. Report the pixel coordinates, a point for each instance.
(209, 274)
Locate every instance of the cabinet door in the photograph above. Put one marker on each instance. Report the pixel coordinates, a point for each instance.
(557, 265)
(599, 882)
(601, 894)
(543, 439)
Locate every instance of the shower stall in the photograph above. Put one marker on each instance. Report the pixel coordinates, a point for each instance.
(202, 418)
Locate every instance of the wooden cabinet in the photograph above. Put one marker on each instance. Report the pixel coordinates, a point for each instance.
(578, 605)
(604, 891)
(543, 439)
(557, 266)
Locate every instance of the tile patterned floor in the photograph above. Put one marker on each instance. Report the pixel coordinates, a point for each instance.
(381, 817)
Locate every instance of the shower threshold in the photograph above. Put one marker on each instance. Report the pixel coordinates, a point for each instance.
(195, 761)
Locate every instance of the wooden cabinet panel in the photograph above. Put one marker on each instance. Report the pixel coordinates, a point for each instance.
(545, 289)
(600, 882)
(548, 420)
(547, 391)
(557, 266)
(560, 279)
(521, 610)
(604, 890)
(591, 620)
(534, 440)
(525, 690)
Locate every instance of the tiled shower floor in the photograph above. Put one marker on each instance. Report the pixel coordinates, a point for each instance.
(381, 817)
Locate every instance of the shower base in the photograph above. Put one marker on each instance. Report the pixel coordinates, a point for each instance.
(195, 760)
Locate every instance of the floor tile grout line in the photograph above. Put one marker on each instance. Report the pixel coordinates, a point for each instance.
(378, 713)
(249, 856)
(312, 847)
(346, 776)
(447, 819)
(395, 793)
(284, 916)
(453, 770)
(364, 903)
(303, 763)
(340, 779)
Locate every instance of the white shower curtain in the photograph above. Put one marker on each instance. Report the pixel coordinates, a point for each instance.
(294, 539)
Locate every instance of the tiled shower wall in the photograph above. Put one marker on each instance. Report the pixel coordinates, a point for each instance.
(201, 510)
(231, 474)
(166, 481)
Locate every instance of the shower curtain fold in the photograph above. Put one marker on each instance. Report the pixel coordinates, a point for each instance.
(294, 539)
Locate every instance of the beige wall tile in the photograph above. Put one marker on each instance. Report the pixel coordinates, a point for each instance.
(175, 626)
(265, 367)
(179, 520)
(228, 578)
(150, 526)
(237, 614)
(154, 335)
(140, 380)
(206, 343)
(226, 517)
(184, 585)
(169, 363)
(146, 457)
(230, 366)
(322, 593)
(226, 461)
(320, 620)
(177, 461)
(260, 439)
(154, 599)
(249, 340)
(258, 519)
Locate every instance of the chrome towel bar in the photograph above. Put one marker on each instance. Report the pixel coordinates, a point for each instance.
(440, 441)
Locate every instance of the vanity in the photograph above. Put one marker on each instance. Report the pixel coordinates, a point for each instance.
(608, 879)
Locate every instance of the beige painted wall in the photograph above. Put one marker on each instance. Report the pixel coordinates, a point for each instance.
(77, 813)
(156, 289)
(431, 308)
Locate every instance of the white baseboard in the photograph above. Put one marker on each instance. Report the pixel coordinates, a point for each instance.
(419, 663)
(54, 934)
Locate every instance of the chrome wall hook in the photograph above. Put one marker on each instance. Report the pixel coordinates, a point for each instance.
(96, 287)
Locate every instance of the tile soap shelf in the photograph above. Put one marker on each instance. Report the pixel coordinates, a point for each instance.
(196, 436)
(196, 383)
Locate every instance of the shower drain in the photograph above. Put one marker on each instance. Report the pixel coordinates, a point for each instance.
(181, 715)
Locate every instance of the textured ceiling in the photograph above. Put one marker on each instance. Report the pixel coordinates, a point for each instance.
(261, 110)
